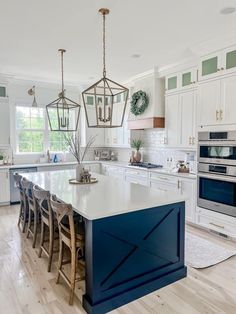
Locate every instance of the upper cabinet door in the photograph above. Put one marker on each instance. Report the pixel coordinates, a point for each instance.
(172, 120)
(229, 60)
(228, 100)
(188, 121)
(188, 78)
(210, 66)
(172, 83)
(209, 103)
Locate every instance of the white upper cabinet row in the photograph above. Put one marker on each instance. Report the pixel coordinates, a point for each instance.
(181, 81)
(180, 121)
(218, 63)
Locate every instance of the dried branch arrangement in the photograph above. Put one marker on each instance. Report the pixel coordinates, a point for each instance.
(74, 143)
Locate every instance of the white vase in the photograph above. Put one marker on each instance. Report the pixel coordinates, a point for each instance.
(79, 170)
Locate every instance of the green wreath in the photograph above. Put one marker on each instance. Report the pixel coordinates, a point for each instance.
(139, 109)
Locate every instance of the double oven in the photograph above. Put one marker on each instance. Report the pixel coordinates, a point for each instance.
(217, 171)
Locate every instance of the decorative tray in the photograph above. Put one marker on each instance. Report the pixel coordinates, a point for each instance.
(92, 180)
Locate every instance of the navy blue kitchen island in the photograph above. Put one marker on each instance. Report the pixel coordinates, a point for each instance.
(134, 236)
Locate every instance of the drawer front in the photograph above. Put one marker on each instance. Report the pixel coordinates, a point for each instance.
(137, 180)
(134, 172)
(217, 225)
(163, 177)
(163, 186)
(116, 169)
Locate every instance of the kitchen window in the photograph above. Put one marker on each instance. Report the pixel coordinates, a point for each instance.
(33, 134)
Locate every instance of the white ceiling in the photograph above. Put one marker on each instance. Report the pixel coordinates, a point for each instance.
(161, 31)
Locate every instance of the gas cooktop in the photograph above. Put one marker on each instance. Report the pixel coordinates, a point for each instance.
(146, 165)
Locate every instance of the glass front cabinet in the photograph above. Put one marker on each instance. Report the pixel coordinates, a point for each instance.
(218, 63)
(181, 81)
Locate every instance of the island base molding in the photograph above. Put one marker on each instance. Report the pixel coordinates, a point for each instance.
(134, 294)
(133, 254)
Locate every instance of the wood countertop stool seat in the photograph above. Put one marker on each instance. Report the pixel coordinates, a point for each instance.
(34, 213)
(24, 207)
(42, 198)
(71, 234)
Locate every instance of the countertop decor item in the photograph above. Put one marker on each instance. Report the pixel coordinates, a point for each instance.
(139, 103)
(74, 144)
(105, 101)
(137, 144)
(92, 181)
(31, 92)
(63, 113)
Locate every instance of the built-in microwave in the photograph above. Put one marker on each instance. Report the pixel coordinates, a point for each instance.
(217, 147)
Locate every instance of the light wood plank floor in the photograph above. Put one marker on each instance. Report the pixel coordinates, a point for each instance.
(26, 287)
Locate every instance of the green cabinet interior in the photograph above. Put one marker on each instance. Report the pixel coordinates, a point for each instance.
(172, 82)
(209, 66)
(2, 91)
(186, 79)
(231, 59)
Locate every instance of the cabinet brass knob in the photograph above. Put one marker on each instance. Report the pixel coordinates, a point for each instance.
(222, 69)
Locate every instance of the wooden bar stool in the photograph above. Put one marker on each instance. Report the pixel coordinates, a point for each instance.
(33, 213)
(24, 209)
(73, 239)
(42, 199)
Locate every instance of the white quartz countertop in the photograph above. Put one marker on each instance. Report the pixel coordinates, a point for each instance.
(108, 197)
(110, 163)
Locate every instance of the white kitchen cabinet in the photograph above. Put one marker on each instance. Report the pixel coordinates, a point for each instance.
(172, 120)
(181, 81)
(4, 122)
(219, 63)
(115, 171)
(137, 176)
(99, 134)
(209, 103)
(217, 100)
(228, 100)
(188, 118)
(210, 66)
(4, 186)
(172, 83)
(188, 187)
(181, 119)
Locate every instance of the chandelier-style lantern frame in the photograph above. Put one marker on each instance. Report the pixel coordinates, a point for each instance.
(105, 101)
(63, 113)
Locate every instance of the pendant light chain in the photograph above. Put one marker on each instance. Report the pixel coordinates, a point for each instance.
(62, 71)
(104, 45)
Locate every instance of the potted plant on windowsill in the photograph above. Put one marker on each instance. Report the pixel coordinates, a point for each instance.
(74, 144)
(1, 159)
(137, 144)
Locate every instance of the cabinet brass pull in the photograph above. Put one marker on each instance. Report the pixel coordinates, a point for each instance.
(190, 140)
(221, 114)
(217, 115)
(218, 226)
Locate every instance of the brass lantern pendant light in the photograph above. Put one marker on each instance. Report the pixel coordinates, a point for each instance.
(105, 101)
(63, 113)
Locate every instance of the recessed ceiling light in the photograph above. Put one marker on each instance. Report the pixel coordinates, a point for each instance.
(228, 10)
(136, 56)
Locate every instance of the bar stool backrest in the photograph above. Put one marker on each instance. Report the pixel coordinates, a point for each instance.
(42, 199)
(64, 213)
(18, 178)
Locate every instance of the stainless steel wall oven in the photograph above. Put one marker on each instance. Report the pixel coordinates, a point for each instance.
(217, 171)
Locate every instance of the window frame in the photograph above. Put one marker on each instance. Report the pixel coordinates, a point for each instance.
(46, 133)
